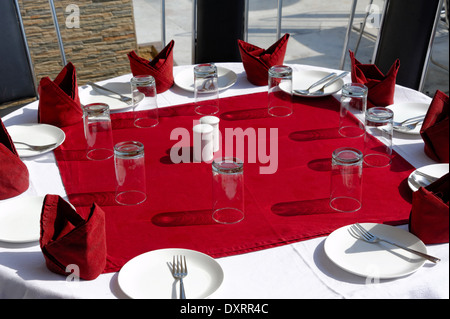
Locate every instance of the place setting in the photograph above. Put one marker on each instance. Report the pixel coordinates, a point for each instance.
(409, 117)
(20, 219)
(117, 95)
(35, 139)
(171, 273)
(315, 83)
(376, 251)
(426, 175)
(225, 79)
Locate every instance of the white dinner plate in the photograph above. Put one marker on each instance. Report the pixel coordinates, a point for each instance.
(225, 78)
(434, 170)
(89, 95)
(20, 219)
(302, 80)
(377, 261)
(404, 111)
(35, 134)
(149, 276)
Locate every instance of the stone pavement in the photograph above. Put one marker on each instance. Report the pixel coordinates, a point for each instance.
(317, 31)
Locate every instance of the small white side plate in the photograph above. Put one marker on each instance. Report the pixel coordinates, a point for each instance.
(20, 219)
(404, 111)
(88, 95)
(303, 79)
(35, 134)
(379, 260)
(434, 170)
(225, 78)
(149, 275)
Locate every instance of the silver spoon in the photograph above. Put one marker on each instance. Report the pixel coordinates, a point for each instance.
(323, 80)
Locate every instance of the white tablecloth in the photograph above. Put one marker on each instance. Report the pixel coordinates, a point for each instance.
(299, 270)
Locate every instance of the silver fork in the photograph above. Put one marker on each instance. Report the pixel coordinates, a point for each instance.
(179, 271)
(36, 148)
(363, 234)
(122, 98)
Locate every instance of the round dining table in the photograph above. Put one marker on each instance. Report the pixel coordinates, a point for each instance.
(295, 270)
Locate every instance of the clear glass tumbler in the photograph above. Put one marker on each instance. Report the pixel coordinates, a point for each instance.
(353, 109)
(129, 163)
(280, 91)
(228, 190)
(98, 131)
(346, 180)
(379, 125)
(145, 106)
(206, 89)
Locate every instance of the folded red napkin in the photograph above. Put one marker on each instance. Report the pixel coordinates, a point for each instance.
(59, 103)
(257, 61)
(67, 238)
(435, 130)
(14, 178)
(381, 87)
(429, 214)
(161, 67)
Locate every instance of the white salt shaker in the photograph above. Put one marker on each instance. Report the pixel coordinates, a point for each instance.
(203, 142)
(214, 122)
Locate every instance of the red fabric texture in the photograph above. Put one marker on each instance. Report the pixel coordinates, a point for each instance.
(161, 67)
(68, 238)
(435, 130)
(381, 86)
(14, 177)
(257, 61)
(429, 218)
(59, 102)
(280, 208)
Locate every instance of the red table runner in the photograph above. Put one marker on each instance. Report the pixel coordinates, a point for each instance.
(287, 206)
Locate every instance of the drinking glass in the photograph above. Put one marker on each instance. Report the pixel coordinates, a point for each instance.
(379, 125)
(353, 108)
(129, 163)
(346, 179)
(280, 91)
(228, 190)
(98, 131)
(145, 106)
(206, 89)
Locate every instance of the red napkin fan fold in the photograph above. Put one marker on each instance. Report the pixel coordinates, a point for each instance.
(59, 103)
(435, 129)
(429, 219)
(14, 177)
(69, 239)
(161, 67)
(257, 61)
(381, 86)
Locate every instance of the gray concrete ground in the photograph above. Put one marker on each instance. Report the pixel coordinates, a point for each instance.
(317, 31)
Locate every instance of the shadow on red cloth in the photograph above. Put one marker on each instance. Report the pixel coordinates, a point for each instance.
(184, 218)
